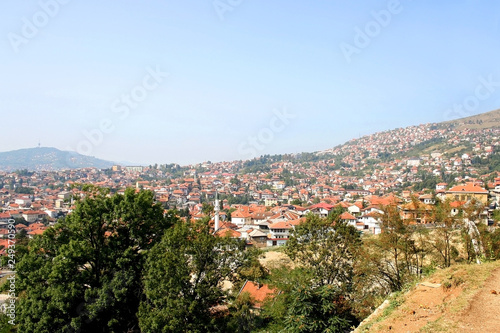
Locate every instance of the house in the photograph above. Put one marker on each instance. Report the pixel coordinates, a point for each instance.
(427, 199)
(259, 293)
(241, 216)
(441, 186)
(258, 238)
(355, 209)
(416, 212)
(468, 192)
(5, 216)
(268, 202)
(371, 222)
(228, 232)
(33, 215)
(280, 232)
(348, 218)
(322, 209)
(33, 233)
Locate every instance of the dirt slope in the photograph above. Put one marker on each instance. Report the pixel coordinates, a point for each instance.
(483, 313)
(462, 298)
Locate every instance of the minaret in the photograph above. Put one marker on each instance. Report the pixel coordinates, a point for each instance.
(216, 210)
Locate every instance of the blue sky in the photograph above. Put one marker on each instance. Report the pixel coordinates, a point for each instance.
(196, 80)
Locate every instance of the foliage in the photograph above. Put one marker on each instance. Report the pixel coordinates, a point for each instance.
(315, 296)
(329, 249)
(24, 190)
(250, 270)
(441, 239)
(391, 259)
(5, 327)
(243, 318)
(85, 272)
(183, 278)
(303, 306)
(207, 208)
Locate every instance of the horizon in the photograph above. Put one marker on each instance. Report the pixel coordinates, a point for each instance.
(128, 163)
(232, 80)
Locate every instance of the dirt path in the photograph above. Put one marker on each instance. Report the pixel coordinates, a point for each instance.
(462, 298)
(483, 314)
(423, 305)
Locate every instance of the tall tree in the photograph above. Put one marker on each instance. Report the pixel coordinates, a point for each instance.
(316, 294)
(184, 276)
(471, 217)
(390, 258)
(85, 273)
(327, 248)
(441, 238)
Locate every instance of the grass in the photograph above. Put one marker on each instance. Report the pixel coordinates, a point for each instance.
(395, 300)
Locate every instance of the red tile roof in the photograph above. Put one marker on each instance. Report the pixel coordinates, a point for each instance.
(258, 292)
(469, 187)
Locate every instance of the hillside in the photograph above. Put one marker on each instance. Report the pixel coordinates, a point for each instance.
(423, 138)
(45, 158)
(457, 299)
(481, 121)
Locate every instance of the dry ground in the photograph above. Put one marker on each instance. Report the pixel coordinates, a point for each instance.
(462, 298)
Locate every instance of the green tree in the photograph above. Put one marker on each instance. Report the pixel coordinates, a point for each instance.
(328, 249)
(85, 273)
(316, 295)
(207, 208)
(303, 306)
(184, 273)
(243, 318)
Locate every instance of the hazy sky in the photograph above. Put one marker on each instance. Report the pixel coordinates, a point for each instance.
(195, 80)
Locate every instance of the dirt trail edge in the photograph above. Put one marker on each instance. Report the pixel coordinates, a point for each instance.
(483, 313)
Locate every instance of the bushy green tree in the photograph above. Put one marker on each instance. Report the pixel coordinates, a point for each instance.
(184, 276)
(315, 296)
(85, 273)
(329, 249)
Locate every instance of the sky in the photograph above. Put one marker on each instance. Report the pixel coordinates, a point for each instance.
(163, 81)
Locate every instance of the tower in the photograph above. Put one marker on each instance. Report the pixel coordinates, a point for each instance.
(216, 210)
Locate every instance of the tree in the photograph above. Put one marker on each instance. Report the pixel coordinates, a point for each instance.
(243, 317)
(316, 295)
(85, 273)
(207, 208)
(441, 238)
(303, 306)
(328, 249)
(390, 259)
(472, 238)
(183, 278)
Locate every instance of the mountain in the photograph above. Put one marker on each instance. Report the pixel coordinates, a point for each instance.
(45, 158)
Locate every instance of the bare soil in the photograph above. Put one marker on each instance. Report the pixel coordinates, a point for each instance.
(483, 313)
(459, 299)
(275, 259)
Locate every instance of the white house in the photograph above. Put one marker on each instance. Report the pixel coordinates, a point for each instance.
(371, 222)
(241, 216)
(279, 233)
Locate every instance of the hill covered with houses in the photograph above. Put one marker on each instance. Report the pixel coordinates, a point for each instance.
(262, 199)
(417, 198)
